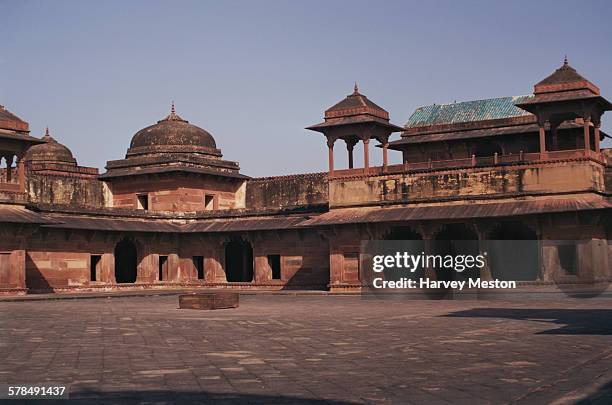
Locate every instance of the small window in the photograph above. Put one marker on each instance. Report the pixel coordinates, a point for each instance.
(94, 264)
(209, 202)
(163, 268)
(143, 201)
(198, 263)
(275, 264)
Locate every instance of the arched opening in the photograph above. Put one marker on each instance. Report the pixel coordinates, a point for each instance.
(126, 261)
(238, 261)
(514, 252)
(456, 240)
(404, 240)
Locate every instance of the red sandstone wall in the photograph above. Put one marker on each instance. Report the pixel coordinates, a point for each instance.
(304, 258)
(60, 259)
(57, 259)
(65, 190)
(286, 191)
(178, 193)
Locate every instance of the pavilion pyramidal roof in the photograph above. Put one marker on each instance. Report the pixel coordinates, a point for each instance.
(356, 103)
(565, 78)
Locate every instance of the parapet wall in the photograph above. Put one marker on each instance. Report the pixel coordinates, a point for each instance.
(287, 191)
(516, 180)
(77, 191)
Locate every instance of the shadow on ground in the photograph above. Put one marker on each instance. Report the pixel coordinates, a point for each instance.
(602, 396)
(189, 397)
(570, 321)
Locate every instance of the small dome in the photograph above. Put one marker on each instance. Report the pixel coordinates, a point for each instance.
(50, 152)
(173, 134)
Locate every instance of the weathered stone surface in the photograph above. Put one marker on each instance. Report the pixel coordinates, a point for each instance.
(213, 300)
(286, 191)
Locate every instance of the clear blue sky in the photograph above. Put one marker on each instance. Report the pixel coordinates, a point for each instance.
(255, 73)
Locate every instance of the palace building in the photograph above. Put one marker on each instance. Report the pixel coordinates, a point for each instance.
(175, 213)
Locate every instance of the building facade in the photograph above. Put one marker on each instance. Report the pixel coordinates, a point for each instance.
(174, 213)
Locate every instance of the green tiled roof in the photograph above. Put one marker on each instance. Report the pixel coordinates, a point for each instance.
(467, 111)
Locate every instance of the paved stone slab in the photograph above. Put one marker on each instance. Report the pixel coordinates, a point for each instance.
(312, 349)
(209, 301)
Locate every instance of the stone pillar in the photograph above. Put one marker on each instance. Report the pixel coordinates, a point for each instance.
(350, 145)
(427, 233)
(366, 154)
(213, 265)
(550, 261)
(542, 131)
(174, 269)
(482, 232)
(187, 270)
(587, 134)
(385, 154)
(555, 138)
(107, 269)
(592, 258)
(17, 263)
(330, 147)
(148, 262)
(9, 164)
(261, 272)
(21, 173)
(335, 266)
(597, 147)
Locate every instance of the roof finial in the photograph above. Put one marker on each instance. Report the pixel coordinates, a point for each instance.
(172, 110)
(46, 131)
(356, 89)
(565, 61)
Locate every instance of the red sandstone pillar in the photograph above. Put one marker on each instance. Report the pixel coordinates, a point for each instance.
(542, 141)
(385, 154)
(262, 272)
(174, 269)
(9, 164)
(17, 275)
(587, 134)
(555, 140)
(597, 147)
(366, 154)
(21, 174)
(107, 268)
(330, 146)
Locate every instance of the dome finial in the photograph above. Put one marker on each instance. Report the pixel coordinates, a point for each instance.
(47, 131)
(172, 110)
(565, 61)
(356, 89)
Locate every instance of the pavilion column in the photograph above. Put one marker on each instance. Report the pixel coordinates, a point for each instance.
(587, 134)
(385, 148)
(385, 154)
(555, 140)
(350, 145)
(597, 125)
(330, 147)
(542, 140)
(366, 153)
(9, 163)
(21, 173)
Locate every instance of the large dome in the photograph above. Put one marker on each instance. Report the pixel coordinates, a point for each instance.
(173, 135)
(49, 152)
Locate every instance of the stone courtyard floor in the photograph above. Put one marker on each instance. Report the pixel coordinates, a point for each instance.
(312, 349)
